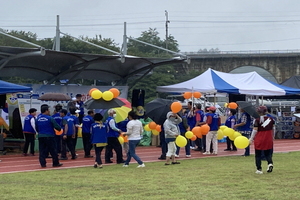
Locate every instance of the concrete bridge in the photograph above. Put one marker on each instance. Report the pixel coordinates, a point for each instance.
(280, 64)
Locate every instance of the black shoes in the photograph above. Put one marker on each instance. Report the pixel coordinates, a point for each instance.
(58, 165)
(227, 149)
(121, 162)
(89, 156)
(162, 158)
(63, 158)
(107, 162)
(43, 166)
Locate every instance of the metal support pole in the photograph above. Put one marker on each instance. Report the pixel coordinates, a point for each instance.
(57, 37)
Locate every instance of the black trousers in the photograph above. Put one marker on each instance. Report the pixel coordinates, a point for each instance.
(68, 142)
(98, 151)
(47, 144)
(29, 140)
(113, 144)
(230, 143)
(87, 145)
(268, 156)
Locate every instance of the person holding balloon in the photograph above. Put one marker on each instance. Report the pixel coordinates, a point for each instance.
(214, 122)
(171, 132)
(183, 127)
(191, 120)
(244, 127)
(230, 122)
(262, 135)
(134, 132)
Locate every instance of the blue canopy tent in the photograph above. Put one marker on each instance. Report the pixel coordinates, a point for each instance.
(6, 87)
(212, 81)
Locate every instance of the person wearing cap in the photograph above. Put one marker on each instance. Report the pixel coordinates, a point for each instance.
(112, 138)
(262, 135)
(29, 131)
(214, 121)
(244, 127)
(171, 132)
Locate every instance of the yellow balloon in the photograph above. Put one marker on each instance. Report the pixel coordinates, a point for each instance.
(147, 128)
(121, 140)
(180, 141)
(154, 131)
(220, 135)
(225, 105)
(223, 127)
(96, 94)
(228, 131)
(241, 142)
(107, 95)
(235, 135)
(189, 134)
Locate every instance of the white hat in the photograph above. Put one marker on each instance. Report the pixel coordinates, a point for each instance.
(74, 99)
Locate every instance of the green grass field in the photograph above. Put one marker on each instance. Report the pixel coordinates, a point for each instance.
(207, 178)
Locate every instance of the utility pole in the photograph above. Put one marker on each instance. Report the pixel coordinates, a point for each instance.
(167, 21)
(57, 37)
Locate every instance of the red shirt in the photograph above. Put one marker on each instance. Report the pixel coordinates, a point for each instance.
(264, 137)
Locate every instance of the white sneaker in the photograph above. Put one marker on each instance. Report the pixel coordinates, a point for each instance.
(176, 156)
(188, 156)
(270, 168)
(215, 153)
(142, 165)
(192, 147)
(206, 153)
(259, 172)
(125, 166)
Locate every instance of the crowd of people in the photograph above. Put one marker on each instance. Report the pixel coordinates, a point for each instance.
(99, 134)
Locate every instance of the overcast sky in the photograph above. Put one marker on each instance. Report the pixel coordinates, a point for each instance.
(230, 25)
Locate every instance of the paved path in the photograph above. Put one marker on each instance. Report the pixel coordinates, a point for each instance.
(18, 163)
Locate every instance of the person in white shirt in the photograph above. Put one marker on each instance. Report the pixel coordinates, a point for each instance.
(134, 132)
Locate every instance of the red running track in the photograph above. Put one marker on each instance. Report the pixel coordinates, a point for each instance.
(18, 163)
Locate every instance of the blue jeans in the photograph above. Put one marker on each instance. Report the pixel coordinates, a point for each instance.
(131, 152)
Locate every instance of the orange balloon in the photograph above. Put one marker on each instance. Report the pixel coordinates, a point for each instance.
(204, 129)
(58, 132)
(187, 95)
(197, 94)
(232, 105)
(115, 92)
(158, 128)
(91, 90)
(176, 107)
(125, 137)
(194, 138)
(197, 131)
(152, 125)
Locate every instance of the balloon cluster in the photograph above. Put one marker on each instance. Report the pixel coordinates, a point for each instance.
(231, 105)
(196, 132)
(153, 127)
(240, 141)
(107, 95)
(188, 95)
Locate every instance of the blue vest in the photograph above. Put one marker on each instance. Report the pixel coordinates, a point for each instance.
(201, 113)
(27, 125)
(87, 121)
(247, 126)
(214, 126)
(44, 125)
(58, 119)
(191, 120)
(70, 123)
(99, 134)
(111, 132)
(228, 121)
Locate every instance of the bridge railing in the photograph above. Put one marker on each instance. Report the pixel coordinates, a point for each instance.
(294, 51)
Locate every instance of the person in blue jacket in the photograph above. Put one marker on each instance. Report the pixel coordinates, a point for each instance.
(29, 132)
(45, 126)
(230, 122)
(68, 135)
(56, 116)
(98, 138)
(87, 121)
